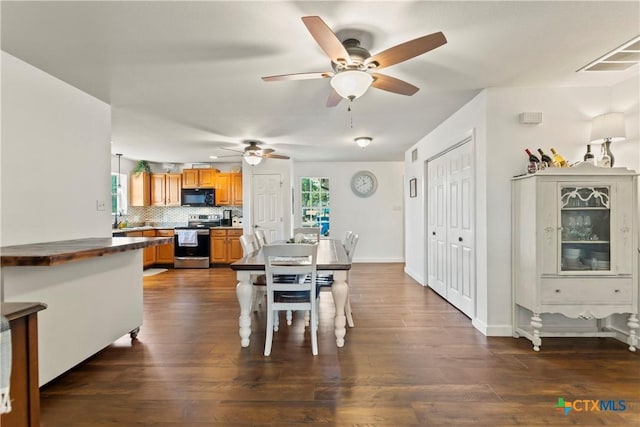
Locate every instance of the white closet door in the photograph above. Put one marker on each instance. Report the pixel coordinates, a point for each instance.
(460, 235)
(451, 256)
(437, 226)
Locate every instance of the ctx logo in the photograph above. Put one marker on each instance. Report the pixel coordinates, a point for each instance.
(590, 405)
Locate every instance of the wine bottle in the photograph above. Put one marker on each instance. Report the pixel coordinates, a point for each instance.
(532, 157)
(558, 160)
(546, 160)
(534, 161)
(589, 157)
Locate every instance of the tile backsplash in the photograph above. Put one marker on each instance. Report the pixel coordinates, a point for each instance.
(171, 214)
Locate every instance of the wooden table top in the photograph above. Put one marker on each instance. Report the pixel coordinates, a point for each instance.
(55, 253)
(16, 310)
(331, 256)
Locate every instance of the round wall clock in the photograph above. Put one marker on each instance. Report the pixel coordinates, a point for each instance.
(364, 183)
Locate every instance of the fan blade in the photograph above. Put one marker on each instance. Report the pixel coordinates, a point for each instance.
(299, 76)
(275, 156)
(334, 99)
(267, 151)
(407, 50)
(231, 149)
(391, 84)
(326, 39)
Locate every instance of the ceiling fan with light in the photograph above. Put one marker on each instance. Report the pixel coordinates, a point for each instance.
(354, 67)
(253, 153)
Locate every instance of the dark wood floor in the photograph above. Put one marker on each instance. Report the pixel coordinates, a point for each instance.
(411, 360)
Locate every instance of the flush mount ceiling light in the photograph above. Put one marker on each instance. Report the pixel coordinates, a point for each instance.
(213, 157)
(351, 84)
(363, 141)
(619, 59)
(252, 159)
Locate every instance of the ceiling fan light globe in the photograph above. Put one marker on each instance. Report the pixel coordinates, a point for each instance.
(363, 141)
(253, 160)
(351, 84)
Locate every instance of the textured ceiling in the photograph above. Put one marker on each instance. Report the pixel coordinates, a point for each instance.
(183, 78)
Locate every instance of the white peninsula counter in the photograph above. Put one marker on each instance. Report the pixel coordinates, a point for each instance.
(92, 288)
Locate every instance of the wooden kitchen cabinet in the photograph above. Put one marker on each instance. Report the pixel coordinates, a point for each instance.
(148, 254)
(165, 253)
(236, 188)
(165, 189)
(225, 246)
(199, 178)
(223, 189)
(173, 185)
(140, 189)
(229, 189)
(575, 239)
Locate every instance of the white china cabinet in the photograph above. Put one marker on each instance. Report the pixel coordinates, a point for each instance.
(575, 253)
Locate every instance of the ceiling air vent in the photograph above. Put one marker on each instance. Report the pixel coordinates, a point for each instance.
(618, 59)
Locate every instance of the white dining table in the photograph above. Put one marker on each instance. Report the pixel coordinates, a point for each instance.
(332, 259)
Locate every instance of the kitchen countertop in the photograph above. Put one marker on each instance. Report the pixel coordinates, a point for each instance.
(159, 227)
(55, 253)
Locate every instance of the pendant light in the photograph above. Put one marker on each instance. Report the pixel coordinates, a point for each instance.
(118, 192)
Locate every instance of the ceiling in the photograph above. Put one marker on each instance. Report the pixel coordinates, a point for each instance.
(183, 78)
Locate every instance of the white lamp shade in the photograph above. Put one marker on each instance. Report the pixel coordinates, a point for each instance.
(363, 141)
(351, 84)
(252, 159)
(608, 126)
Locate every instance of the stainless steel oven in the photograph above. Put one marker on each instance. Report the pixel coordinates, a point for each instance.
(191, 247)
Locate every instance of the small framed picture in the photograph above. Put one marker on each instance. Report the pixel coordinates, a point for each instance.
(413, 187)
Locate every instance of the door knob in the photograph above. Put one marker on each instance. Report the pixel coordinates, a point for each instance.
(459, 239)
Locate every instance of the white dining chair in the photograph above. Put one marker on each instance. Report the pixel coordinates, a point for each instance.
(249, 245)
(299, 260)
(261, 237)
(309, 234)
(347, 238)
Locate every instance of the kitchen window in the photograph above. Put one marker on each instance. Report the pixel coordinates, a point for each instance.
(119, 194)
(314, 202)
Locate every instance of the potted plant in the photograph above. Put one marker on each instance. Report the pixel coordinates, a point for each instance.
(142, 166)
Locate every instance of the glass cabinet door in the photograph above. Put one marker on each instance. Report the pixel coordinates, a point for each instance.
(585, 218)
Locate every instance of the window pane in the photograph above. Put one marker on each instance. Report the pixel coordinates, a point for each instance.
(314, 202)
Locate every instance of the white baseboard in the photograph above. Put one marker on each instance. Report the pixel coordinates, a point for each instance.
(415, 276)
(492, 330)
(378, 260)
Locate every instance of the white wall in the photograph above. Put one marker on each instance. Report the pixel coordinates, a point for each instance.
(567, 114)
(378, 219)
(470, 119)
(55, 164)
(54, 158)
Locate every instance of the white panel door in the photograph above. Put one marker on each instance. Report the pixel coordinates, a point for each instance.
(437, 230)
(450, 227)
(267, 206)
(460, 234)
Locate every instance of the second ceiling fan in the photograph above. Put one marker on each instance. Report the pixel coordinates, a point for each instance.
(354, 67)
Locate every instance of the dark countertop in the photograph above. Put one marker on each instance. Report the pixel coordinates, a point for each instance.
(16, 310)
(158, 227)
(55, 253)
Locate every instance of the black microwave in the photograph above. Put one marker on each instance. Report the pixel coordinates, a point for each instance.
(198, 197)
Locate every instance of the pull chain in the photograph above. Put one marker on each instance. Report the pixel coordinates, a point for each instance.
(350, 113)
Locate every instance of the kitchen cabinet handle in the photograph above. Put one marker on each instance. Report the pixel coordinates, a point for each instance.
(557, 291)
(459, 239)
(617, 291)
(433, 232)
